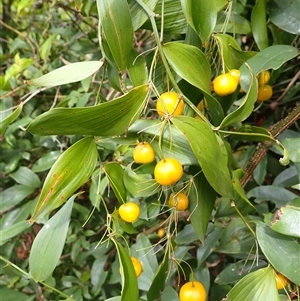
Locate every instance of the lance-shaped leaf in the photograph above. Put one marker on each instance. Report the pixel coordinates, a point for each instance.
(246, 107)
(272, 57)
(224, 42)
(49, 242)
(70, 171)
(106, 119)
(116, 23)
(138, 15)
(259, 286)
(275, 247)
(201, 203)
(71, 73)
(130, 289)
(201, 16)
(191, 64)
(114, 172)
(286, 219)
(259, 24)
(10, 118)
(210, 156)
(159, 281)
(173, 143)
(139, 184)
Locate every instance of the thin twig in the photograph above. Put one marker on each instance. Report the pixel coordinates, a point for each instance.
(274, 104)
(263, 147)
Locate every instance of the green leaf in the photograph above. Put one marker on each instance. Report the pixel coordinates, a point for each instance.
(145, 253)
(239, 56)
(259, 286)
(236, 176)
(4, 123)
(46, 161)
(225, 207)
(13, 196)
(9, 294)
(235, 23)
(225, 42)
(277, 247)
(206, 148)
(285, 16)
(173, 20)
(114, 172)
(292, 145)
(251, 133)
(159, 281)
(236, 271)
(13, 231)
(137, 69)
(208, 246)
(191, 65)
(116, 24)
(286, 220)
(246, 107)
(201, 203)
(48, 245)
(173, 143)
(236, 238)
(107, 119)
(138, 15)
(26, 177)
(130, 290)
(16, 215)
(73, 168)
(280, 196)
(45, 49)
(259, 24)
(272, 57)
(139, 184)
(201, 15)
(70, 73)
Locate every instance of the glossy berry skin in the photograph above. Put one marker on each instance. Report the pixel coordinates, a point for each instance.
(138, 268)
(143, 153)
(264, 78)
(169, 104)
(225, 84)
(161, 232)
(192, 291)
(129, 212)
(264, 93)
(236, 74)
(281, 281)
(179, 200)
(168, 171)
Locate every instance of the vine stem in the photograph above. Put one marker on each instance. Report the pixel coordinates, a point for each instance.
(263, 147)
(158, 40)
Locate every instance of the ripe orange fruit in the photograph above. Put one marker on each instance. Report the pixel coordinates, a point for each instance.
(143, 153)
(225, 84)
(192, 291)
(179, 200)
(264, 93)
(202, 105)
(281, 281)
(129, 212)
(264, 78)
(169, 103)
(137, 266)
(236, 74)
(168, 171)
(161, 232)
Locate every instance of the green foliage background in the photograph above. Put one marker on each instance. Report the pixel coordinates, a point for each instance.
(79, 82)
